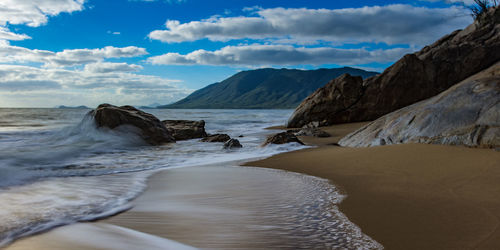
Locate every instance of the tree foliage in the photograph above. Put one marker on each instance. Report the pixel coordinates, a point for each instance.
(480, 7)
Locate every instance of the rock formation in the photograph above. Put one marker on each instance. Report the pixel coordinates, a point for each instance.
(282, 138)
(466, 114)
(216, 138)
(315, 132)
(185, 130)
(146, 125)
(232, 143)
(413, 78)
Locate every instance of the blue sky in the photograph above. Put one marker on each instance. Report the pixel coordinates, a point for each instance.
(85, 52)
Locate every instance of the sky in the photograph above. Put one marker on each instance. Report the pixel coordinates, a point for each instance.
(142, 52)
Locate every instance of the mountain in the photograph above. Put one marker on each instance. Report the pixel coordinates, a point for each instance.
(263, 89)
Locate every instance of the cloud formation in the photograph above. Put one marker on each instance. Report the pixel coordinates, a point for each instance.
(32, 13)
(85, 86)
(250, 55)
(391, 24)
(65, 58)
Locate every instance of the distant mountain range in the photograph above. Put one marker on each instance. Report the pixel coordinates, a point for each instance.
(263, 89)
(72, 107)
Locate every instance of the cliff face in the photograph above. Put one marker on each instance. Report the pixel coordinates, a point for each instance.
(413, 78)
(466, 114)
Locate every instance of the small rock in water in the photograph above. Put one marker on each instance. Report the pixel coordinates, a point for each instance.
(216, 138)
(185, 130)
(316, 132)
(282, 138)
(232, 143)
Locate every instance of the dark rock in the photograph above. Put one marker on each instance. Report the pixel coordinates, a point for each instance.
(316, 132)
(148, 127)
(413, 78)
(282, 138)
(216, 138)
(185, 130)
(232, 143)
(466, 114)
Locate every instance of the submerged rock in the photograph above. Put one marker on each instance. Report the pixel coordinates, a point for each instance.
(146, 125)
(466, 114)
(282, 138)
(413, 78)
(185, 130)
(232, 143)
(216, 138)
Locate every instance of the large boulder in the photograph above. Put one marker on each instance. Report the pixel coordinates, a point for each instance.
(146, 125)
(282, 138)
(185, 130)
(466, 114)
(413, 78)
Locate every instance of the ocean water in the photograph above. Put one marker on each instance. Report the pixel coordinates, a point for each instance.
(57, 168)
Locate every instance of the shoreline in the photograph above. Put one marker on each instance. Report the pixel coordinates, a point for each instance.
(400, 207)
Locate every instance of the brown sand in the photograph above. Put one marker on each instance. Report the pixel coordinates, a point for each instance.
(410, 196)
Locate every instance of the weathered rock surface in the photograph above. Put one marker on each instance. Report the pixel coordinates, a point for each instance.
(413, 78)
(216, 138)
(316, 132)
(282, 138)
(466, 114)
(232, 143)
(148, 127)
(185, 130)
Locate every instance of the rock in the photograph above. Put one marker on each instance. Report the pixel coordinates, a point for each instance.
(185, 130)
(216, 138)
(316, 132)
(232, 143)
(413, 78)
(466, 114)
(282, 138)
(148, 127)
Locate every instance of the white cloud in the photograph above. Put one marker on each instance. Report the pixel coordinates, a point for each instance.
(465, 2)
(20, 84)
(390, 24)
(251, 55)
(15, 54)
(6, 34)
(107, 67)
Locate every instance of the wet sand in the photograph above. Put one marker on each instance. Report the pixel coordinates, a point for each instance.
(410, 196)
(218, 208)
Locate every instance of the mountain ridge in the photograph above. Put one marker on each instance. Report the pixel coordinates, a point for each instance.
(267, 88)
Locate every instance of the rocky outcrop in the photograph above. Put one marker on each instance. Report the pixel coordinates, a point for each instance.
(466, 114)
(146, 125)
(282, 138)
(185, 130)
(216, 138)
(232, 143)
(413, 78)
(315, 132)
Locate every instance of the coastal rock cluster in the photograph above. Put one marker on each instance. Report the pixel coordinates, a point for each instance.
(151, 130)
(413, 78)
(466, 114)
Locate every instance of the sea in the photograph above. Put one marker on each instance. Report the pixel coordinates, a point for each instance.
(58, 168)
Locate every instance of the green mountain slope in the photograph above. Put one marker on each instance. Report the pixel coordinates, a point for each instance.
(263, 88)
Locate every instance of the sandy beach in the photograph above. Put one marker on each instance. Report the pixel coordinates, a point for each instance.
(412, 196)
(404, 197)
